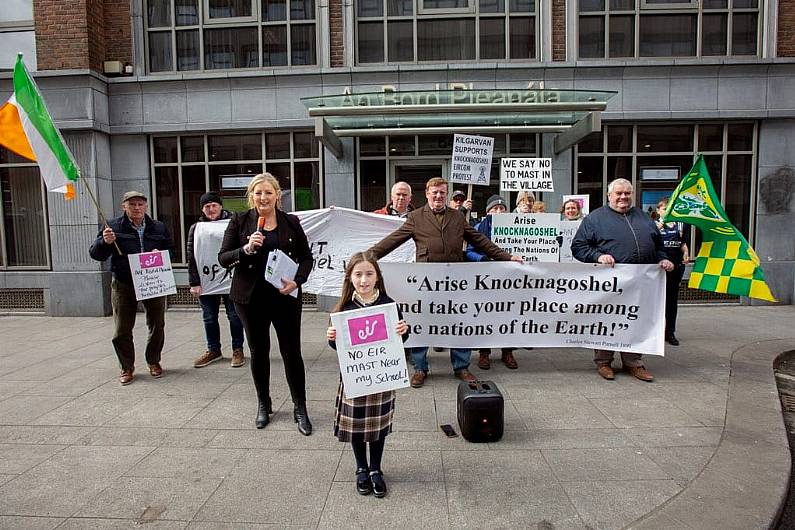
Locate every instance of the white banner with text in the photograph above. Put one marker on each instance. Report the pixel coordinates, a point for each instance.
(152, 274)
(207, 239)
(503, 304)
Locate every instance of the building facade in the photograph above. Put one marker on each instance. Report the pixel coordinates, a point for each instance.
(177, 97)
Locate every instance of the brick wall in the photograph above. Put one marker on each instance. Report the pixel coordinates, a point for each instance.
(336, 33)
(786, 28)
(118, 31)
(559, 30)
(81, 34)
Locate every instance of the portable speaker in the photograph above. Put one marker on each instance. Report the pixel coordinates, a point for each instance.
(480, 411)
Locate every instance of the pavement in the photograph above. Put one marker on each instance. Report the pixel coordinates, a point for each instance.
(702, 447)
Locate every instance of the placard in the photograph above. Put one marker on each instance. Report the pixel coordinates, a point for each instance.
(152, 274)
(207, 238)
(533, 236)
(369, 350)
(497, 304)
(566, 234)
(526, 174)
(471, 163)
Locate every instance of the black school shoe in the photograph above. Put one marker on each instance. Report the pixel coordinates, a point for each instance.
(363, 484)
(671, 339)
(379, 486)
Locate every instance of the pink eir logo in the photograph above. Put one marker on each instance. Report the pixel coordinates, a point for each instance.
(365, 330)
(151, 260)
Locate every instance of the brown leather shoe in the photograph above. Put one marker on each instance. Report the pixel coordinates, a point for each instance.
(606, 371)
(639, 372)
(418, 379)
(155, 370)
(510, 362)
(126, 377)
(465, 375)
(483, 362)
(238, 359)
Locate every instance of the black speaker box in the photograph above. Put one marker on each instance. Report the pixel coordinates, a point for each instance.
(480, 411)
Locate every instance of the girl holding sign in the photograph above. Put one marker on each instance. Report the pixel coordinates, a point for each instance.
(367, 419)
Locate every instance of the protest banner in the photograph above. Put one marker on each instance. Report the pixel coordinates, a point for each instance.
(504, 304)
(533, 236)
(471, 163)
(583, 200)
(526, 174)
(566, 232)
(207, 238)
(370, 351)
(152, 274)
(335, 234)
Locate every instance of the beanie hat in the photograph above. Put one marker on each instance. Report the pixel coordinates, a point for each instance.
(210, 196)
(495, 200)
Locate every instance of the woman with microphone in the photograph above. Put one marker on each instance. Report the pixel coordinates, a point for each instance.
(248, 240)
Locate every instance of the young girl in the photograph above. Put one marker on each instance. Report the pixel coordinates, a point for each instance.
(365, 419)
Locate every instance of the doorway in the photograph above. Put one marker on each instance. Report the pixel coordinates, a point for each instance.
(416, 173)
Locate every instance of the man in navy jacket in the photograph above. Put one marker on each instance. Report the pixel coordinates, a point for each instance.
(134, 232)
(619, 233)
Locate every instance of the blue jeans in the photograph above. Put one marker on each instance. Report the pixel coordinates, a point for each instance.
(459, 357)
(212, 331)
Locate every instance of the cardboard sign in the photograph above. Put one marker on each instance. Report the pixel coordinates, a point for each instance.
(533, 236)
(152, 274)
(370, 351)
(471, 162)
(207, 238)
(526, 174)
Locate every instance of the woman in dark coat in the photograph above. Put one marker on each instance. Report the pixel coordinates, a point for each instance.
(248, 240)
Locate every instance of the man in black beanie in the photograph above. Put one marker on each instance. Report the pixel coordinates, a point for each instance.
(212, 210)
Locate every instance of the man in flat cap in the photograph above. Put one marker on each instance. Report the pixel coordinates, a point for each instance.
(212, 211)
(132, 233)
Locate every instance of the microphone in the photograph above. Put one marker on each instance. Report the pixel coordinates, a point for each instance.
(261, 225)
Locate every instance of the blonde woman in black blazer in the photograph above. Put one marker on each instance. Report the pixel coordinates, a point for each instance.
(258, 303)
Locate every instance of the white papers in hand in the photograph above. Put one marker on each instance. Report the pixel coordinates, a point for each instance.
(278, 266)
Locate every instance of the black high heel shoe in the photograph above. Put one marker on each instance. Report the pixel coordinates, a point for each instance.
(363, 484)
(263, 409)
(301, 417)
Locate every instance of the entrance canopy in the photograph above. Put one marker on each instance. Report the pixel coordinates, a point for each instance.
(573, 114)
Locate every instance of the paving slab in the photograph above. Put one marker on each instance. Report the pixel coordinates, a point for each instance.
(701, 447)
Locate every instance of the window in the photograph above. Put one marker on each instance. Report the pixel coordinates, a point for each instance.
(187, 35)
(414, 31)
(654, 157)
(23, 215)
(378, 154)
(17, 33)
(668, 28)
(185, 167)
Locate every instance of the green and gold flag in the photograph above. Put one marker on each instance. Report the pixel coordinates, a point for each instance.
(726, 263)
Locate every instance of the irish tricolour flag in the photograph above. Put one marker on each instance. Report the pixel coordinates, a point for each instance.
(26, 128)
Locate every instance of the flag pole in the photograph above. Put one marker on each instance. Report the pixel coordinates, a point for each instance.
(101, 215)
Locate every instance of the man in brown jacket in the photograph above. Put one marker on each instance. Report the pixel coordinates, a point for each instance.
(439, 233)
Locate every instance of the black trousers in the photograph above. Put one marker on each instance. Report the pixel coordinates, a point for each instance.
(268, 306)
(672, 281)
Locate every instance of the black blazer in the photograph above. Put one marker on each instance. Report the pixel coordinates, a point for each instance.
(249, 270)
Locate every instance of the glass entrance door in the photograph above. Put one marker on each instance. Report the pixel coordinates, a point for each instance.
(416, 173)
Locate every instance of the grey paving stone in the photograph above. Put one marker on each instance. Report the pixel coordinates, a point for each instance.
(683, 464)
(613, 463)
(241, 526)
(68, 481)
(398, 466)
(173, 462)
(675, 436)
(248, 493)
(6, 478)
(30, 434)
(347, 509)
(650, 412)
(431, 441)
(571, 412)
(18, 458)
(252, 438)
(72, 384)
(22, 410)
(29, 523)
(167, 498)
(615, 504)
(160, 412)
(149, 437)
(704, 402)
(91, 523)
(11, 388)
(562, 439)
(413, 414)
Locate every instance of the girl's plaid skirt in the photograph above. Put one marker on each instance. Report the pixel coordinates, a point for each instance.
(363, 419)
